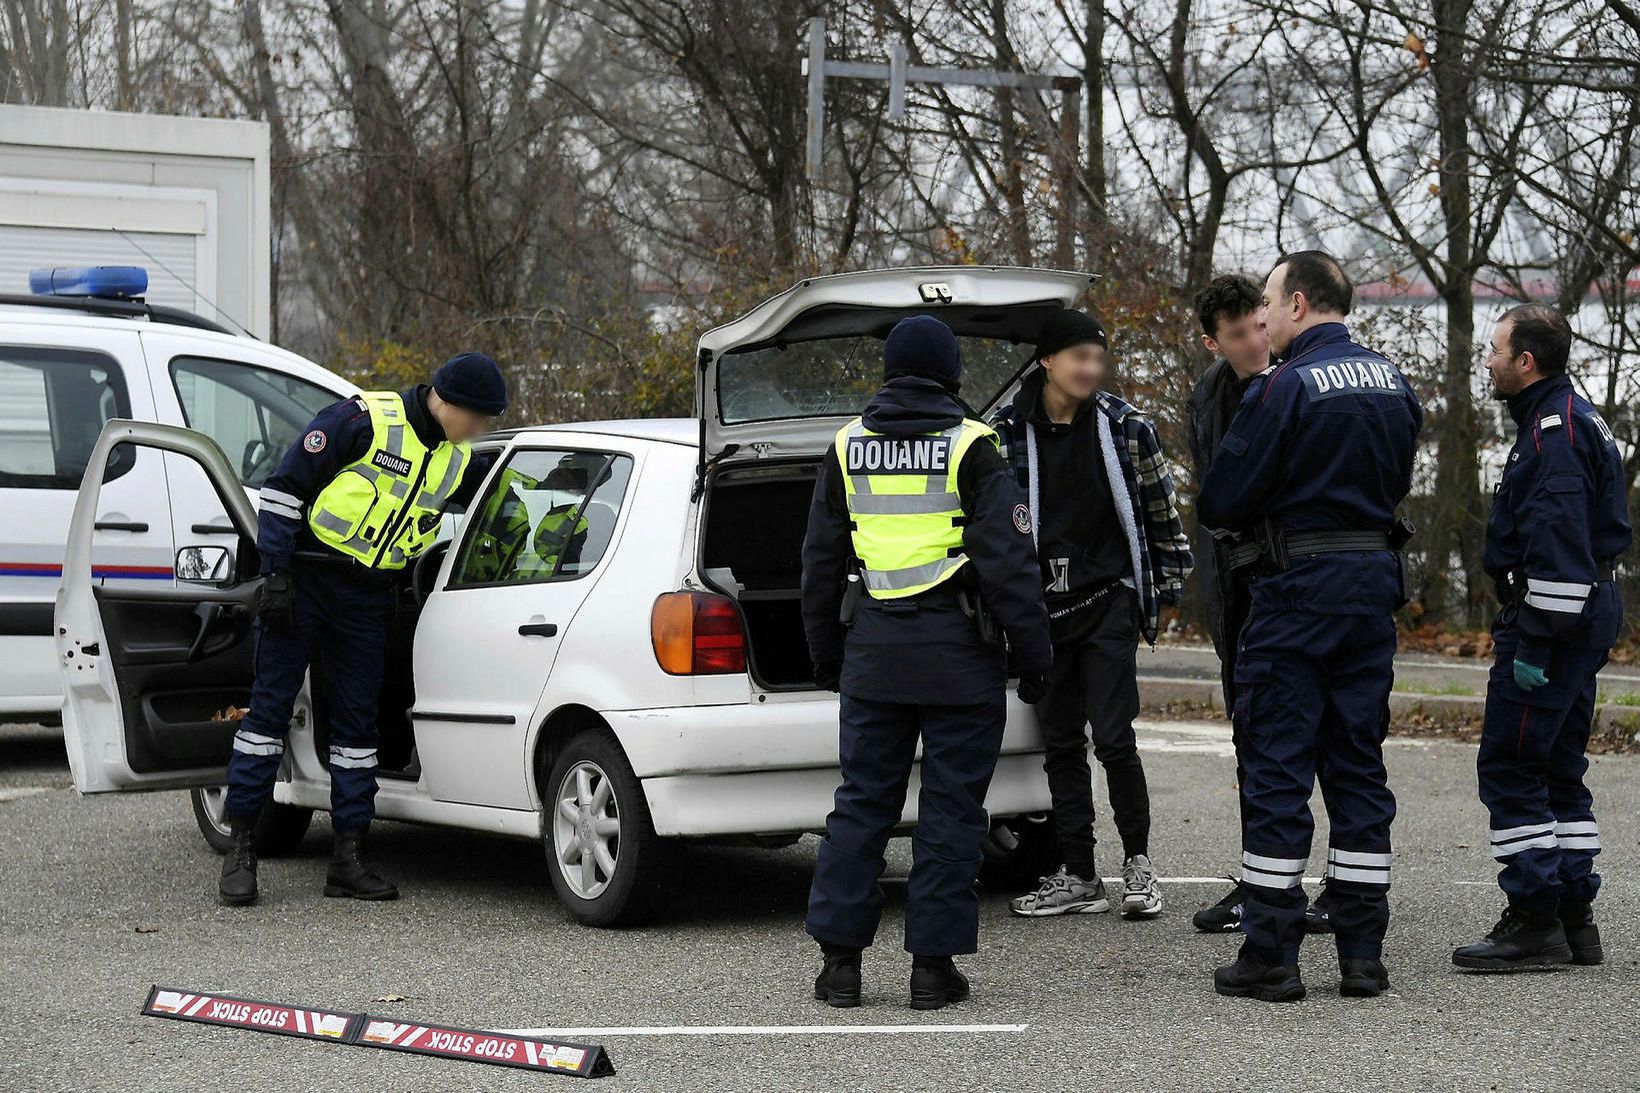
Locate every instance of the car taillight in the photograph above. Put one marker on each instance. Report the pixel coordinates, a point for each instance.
(697, 633)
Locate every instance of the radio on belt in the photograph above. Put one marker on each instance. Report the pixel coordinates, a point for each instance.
(390, 1034)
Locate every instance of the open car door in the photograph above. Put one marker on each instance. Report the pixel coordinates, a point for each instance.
(781, 379)
(146, 669)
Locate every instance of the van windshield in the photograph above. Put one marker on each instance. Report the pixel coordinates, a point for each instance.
(836, 377)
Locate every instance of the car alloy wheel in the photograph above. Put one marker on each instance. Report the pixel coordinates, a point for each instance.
(587, 829)
(213, 806)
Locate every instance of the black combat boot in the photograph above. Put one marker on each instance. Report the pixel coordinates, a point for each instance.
(838, 984)
(1522, 940)
(936, 983)
(1577, 919)
(1361, 977)
(238, 885)
(349, 875)
(1250, 978)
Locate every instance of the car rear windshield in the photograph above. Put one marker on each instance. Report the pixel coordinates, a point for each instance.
(835, 377)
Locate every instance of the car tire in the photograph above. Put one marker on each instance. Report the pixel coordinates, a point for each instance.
(279, 828)
(1018, 852)
(610, 827)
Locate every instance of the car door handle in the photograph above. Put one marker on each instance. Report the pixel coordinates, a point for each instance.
(215, 529)
(120, 525)
(539, 629)
(208, 614)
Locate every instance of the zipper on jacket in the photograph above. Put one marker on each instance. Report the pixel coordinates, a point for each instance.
(409, 504)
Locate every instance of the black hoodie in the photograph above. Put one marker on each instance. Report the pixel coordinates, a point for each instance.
(931, 655)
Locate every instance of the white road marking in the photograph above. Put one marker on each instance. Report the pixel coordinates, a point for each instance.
(17, 793)
(751, 1030)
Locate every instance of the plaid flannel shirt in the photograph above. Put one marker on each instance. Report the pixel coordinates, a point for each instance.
(1162, 538)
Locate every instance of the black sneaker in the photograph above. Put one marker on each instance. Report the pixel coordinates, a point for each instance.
(1247, 978)
(838, 984)
(1361, 977)
(936, 983)
(1224, 917)
(1318, 915)
(1521, 941)
(1582, 935)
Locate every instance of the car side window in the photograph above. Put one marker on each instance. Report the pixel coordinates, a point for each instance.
(256, 414)
(53, 405)
(547, 516)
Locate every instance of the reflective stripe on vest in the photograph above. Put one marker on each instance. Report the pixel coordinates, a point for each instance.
(904, 504)
(379, 509)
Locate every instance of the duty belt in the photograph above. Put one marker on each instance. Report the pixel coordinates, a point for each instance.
(1313, 542)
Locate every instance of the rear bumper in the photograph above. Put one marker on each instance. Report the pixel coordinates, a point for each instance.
(780, 802)
(783, 733)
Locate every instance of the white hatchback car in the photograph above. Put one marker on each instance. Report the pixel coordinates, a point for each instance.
(636, 671)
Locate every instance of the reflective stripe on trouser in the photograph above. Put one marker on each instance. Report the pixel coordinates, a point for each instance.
(1312, 705)
(344, 618)
(878, 744)
(1530, 767)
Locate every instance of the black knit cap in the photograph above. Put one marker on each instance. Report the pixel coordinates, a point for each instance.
(923, 346)
(472, 381)
(1065, 328)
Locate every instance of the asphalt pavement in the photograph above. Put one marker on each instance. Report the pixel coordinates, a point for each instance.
(101, 897)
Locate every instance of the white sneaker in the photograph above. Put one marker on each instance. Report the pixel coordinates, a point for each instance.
(1063, 893)
(1141, 894)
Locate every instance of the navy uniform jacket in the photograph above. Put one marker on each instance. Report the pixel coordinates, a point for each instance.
(1559, 520)
(1323, 441)
(928, 651)
(339, 436)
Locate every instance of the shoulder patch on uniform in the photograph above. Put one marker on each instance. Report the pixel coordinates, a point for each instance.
(314, 442)
(1549, 421)
(1022, 518)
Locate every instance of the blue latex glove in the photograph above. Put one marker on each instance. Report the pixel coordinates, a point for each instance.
(1529, 677)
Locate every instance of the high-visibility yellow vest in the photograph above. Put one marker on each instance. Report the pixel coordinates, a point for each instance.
(384, 509)
(903, 502)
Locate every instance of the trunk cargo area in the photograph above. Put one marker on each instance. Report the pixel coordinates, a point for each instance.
(752, 550)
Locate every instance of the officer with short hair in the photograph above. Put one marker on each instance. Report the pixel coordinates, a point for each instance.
(1309, 475)
(353, 502)
(1559, 522)
(916, 514)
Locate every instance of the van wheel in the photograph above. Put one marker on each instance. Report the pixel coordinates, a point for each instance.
(279, 828)
(1019, 851)
(602, 851)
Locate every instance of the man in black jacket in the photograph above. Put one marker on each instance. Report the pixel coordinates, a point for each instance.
(915, 511)
(1228, 310)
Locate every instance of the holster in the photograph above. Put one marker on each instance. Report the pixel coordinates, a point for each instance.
(974, 607)
(854, 589)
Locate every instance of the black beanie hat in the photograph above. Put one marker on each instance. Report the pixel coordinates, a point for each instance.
(923, 346)
(472, 381)
(1065, 328)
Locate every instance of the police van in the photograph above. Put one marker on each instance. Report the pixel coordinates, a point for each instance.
(81, 349)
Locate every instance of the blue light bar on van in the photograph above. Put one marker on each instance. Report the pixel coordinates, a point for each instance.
(107, 282)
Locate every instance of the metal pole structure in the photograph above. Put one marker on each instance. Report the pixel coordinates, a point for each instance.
(897, 73)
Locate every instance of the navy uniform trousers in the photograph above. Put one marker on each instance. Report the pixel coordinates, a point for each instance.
(878, 747)
(1312, 698)
(1531, 766)
(341, 615)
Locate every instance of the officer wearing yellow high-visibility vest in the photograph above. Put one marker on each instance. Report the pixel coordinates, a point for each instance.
(917, 533)
(354, 501)
(504, 527)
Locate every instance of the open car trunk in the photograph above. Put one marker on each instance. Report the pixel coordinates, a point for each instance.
(777, 383)
(752, 549)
